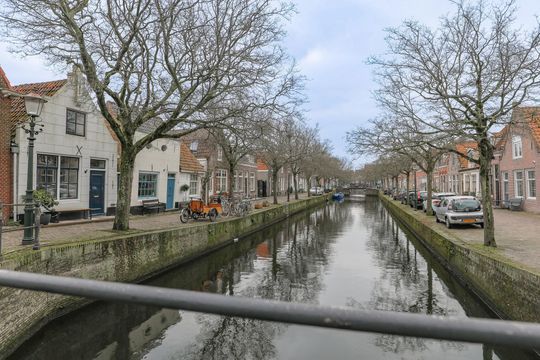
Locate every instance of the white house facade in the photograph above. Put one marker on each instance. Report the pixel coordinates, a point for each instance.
(74, 155)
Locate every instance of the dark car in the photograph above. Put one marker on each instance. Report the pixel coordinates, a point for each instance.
(420, 196)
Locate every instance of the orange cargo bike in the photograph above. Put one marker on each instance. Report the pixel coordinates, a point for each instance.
(197, 209)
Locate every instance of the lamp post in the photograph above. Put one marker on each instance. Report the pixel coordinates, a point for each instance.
(33, 104)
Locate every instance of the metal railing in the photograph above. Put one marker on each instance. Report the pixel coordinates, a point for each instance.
(488, 331)
(37, 224)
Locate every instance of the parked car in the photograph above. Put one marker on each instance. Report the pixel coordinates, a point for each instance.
(420, 195)
(436, 199)
(316, 191)
(400, 195)
(458, 210)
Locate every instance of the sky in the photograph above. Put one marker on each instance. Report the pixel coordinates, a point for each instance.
(331, 41)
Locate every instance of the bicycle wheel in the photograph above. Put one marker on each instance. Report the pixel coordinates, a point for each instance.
(184, 215)
(212, 215)
(225, 209)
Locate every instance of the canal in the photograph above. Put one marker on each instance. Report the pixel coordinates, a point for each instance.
(350, 254)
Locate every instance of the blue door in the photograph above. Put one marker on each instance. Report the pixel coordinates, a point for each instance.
(170, 191)
(97, 192)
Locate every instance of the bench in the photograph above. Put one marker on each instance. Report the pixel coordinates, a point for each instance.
(514, 204)
(74, 214)
(152, 205)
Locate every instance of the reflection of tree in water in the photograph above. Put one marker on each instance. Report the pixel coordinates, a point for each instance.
(298, 253)
(405, 283)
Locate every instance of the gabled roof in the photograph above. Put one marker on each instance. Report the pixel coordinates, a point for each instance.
(4, 81)
(523, 115)
(47, 88)
(261, 165)
(188, 162)
(462, 148)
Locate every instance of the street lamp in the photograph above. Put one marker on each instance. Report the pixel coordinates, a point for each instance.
(33, 104)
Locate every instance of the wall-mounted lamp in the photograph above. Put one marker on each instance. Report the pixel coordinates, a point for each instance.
(14, 148)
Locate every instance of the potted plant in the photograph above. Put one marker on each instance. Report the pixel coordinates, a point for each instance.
(47, 202)
(184, 188)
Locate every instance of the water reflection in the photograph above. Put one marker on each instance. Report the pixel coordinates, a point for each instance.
(341, 254)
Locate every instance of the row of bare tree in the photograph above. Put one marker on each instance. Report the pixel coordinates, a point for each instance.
(185, 65)
(460, 80)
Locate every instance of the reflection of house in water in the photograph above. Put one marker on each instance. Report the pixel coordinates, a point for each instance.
(141, 335)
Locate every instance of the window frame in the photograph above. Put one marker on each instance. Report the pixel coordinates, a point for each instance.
(516, 181)
(193, 179)
(528, 181)
(58, 169)
(76, 124)
(69, 182)
(221, 183)
(517, 144)
(156, 188)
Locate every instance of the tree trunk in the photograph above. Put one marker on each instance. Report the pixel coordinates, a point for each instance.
(308, 184)
(231, 179)
(123, 201)
(429, 175)
(486, 154)
(408, 187)
(295, 182)
(274, 184)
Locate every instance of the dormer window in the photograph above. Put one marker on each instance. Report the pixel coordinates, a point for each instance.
(75, 123)
(194, 145)
(517, 147)
(219, 153)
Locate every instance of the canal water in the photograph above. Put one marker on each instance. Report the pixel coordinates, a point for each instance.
(350, 254)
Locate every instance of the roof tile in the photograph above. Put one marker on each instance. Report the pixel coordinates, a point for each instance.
(188, 162)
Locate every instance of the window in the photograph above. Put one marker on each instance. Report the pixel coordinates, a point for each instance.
(69, 177)
(47, 173)
(518, 179)
(517, 147)
(506, 187)
(531, 184)
(194, 145)
(75, 122)
(49, 178)
(252, 181)
(221, 177)
(147, 185)
(193, 184)
(219, 153)
(97, 164)
(473, 183)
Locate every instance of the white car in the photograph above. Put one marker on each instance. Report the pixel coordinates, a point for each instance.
(316, 191)
(436, 199)
(460, 210)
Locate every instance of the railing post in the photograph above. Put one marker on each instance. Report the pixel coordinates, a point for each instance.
(37, 226)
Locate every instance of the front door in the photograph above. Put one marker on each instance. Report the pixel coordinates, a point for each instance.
(170, 191)
(97, 192)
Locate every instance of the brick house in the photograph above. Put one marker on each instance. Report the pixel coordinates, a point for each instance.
(463, 176)
(210, 155)
(6, 163)
(517, 158)
(191, 173)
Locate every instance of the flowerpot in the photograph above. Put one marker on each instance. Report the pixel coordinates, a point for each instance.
(45, 219)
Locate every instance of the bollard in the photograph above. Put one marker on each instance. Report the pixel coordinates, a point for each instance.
(37, 226)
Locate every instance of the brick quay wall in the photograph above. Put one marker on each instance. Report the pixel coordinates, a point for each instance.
(126, 258)
(509, 289)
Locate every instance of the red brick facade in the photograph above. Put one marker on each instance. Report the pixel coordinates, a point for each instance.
(6, 174)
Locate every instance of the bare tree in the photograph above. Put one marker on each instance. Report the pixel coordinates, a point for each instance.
(406, 137)
(168, 62)
(469, 74)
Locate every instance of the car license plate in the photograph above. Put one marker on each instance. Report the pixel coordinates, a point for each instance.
(468, 220)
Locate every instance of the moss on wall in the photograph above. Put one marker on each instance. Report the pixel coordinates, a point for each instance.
(125, 258)
(509, 289)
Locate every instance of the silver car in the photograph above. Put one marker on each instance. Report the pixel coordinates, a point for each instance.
(460, 210)
(436, 199)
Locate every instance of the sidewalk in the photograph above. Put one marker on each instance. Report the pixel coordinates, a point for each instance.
(517, 234)
(101, 227)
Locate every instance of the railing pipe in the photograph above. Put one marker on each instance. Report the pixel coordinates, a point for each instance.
(488, 331)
